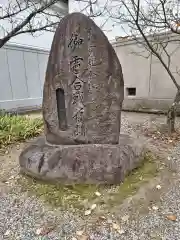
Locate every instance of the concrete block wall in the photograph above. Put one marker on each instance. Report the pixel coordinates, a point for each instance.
(22, 73)
(144, 72)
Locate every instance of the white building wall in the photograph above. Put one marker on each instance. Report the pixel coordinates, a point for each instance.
(23, 62)
(154, 88)
(22, 73)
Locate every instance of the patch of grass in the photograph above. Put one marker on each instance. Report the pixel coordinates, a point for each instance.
(56, 195)
(15, 128)
(80, 196)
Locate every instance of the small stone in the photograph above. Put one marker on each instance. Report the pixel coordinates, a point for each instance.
(84, 237)
(93, 206)
(87, 212)
(109, 221)
(6, 152)
(7, 233)
(161, 168)
(98, 194)
(115, 226)
(39, 231)
(125, 218)
(121, 231)
(12, 177)
(74, 238)
(102, 218)
(153, 235)
(79, 233)
(158, 187)
(155, 208)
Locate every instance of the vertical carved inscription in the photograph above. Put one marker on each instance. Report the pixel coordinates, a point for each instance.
(61, 109)
(92, 63)
(77, 86)
(75, 41)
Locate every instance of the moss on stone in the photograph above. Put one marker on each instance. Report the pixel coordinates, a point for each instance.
(79, 196)
(141, 175)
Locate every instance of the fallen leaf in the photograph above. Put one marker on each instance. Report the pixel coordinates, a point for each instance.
(87, 212)
(93, 206)
(115, 226)
(158, 187)
(171, 217)
(79, 233)
(44, 230)
(98, 194)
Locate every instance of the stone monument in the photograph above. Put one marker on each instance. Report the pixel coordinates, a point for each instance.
(82, 103)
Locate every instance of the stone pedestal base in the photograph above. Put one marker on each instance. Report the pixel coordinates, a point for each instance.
(90, 164)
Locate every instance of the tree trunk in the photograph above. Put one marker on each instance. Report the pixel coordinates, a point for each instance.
(171, 115)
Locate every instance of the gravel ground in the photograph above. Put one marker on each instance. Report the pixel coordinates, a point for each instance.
(22, 215)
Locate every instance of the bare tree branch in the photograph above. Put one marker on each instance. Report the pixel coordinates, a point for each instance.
(34, 10)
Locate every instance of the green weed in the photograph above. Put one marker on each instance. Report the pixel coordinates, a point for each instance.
(15, 128)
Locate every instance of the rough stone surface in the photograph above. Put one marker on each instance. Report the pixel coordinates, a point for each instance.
(82, 102)
(84, 87)
(89, 163)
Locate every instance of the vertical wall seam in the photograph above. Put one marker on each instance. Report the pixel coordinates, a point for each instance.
(26, 79)
(12, 95)
(41, 87)
(150, 72)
